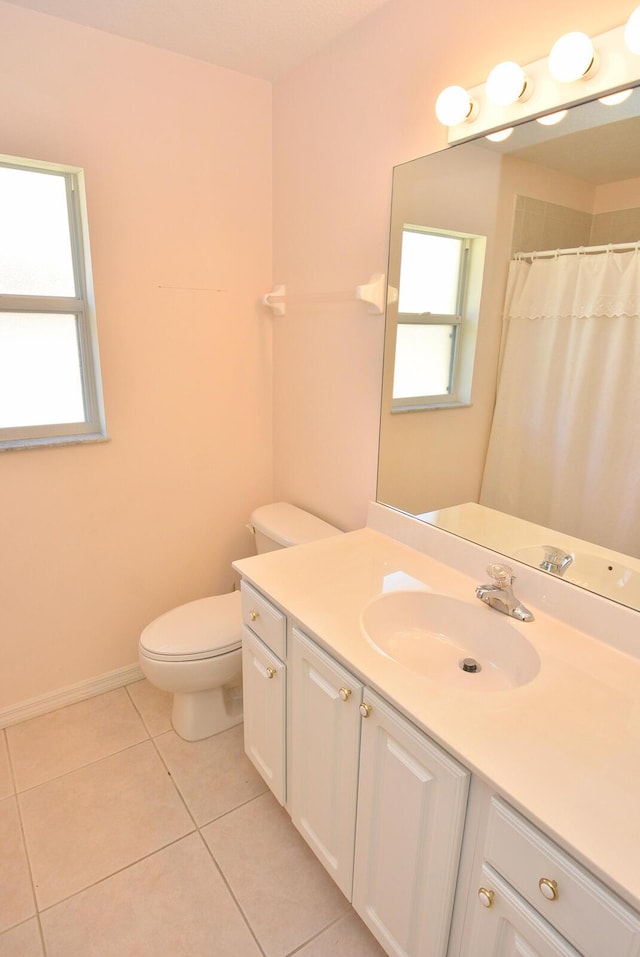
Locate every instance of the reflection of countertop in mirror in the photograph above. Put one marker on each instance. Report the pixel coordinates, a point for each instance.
(563, 748)
(599, 569)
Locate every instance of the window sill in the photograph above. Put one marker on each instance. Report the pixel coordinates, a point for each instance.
(400, 409)
(53, 442)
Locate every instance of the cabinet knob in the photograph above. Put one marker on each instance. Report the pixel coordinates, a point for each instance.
(271, 672)
(253, 614)
(365, 709)
(485, 897)
(345, 694)
(548, 888)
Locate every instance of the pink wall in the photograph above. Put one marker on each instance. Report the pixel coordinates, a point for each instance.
(341, 122)
(97, 540)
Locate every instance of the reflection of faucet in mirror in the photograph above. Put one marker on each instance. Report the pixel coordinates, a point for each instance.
(499, 594)
(555, 560)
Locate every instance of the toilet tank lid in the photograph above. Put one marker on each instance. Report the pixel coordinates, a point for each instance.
(288, 525)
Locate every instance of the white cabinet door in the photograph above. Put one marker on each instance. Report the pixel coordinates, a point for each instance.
(325, 738)
(411, 806)
(264, 690)
(501, 924)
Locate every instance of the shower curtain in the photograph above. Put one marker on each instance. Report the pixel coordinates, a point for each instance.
(564, 449)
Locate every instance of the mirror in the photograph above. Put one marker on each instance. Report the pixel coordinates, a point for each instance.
(548, 190)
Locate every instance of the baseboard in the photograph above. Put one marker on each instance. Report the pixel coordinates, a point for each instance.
(69, 695)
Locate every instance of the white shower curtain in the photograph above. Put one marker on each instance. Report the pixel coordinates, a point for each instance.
(564, 450)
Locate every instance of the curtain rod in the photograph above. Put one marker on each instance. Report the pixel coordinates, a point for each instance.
(578, 250)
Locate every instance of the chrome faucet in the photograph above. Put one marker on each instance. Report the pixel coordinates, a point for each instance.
(499, 594)
(555, 560)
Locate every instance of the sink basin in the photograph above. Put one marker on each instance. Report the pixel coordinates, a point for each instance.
(433, 634)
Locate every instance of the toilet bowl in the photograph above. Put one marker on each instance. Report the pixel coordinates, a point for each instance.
(194, 651)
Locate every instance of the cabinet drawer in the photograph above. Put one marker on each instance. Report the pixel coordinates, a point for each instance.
(264, 620)
(597, 922)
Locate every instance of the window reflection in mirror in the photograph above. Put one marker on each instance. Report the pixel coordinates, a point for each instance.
(435, 319)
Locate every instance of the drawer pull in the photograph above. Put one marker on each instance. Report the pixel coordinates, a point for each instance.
(345, 694)
(548, 888)
(253, 614)
(485, 897)
(365, 709)
(271, 672)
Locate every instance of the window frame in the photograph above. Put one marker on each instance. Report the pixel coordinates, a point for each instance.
(463, 324)
(92, 428)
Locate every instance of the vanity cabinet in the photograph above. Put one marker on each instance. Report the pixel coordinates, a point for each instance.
(385, 809)
(354, 758)
(325, 740)
(532, 897)
(412, 800)
(264, 688)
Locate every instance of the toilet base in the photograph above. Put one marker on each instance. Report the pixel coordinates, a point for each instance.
(200, 714)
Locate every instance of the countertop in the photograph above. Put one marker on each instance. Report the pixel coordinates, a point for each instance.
(564, 748)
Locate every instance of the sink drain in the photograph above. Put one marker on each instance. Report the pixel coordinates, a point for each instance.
(470, 665)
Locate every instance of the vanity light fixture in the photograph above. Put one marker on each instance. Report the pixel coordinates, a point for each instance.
(500, 135)
(552, 118)
(508, 83)
(577, 68)
(615, 99)
(632, 32)
(455, 105)
(573, 58)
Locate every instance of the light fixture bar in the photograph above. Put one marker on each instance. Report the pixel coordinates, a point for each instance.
(618, 68)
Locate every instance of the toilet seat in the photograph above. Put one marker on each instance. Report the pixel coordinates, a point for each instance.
(205, 628)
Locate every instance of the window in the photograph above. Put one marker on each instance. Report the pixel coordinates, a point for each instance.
(437, 312)
(50, 389)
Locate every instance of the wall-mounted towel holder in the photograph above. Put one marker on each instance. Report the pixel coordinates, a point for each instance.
(373, 292)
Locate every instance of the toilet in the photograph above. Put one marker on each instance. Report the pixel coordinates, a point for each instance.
(194, 651)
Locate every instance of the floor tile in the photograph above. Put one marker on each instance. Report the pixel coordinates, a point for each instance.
(83, 826)
(154, 706)
(53, 744)
(214, 775)
(22, 941)
(347, 936)
(6, 780)
(283, 890)
(16, 895)
(172, 904)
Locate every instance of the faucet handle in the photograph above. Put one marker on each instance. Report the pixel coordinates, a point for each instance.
(501, 574)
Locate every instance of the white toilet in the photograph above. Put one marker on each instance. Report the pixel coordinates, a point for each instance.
(194, 651)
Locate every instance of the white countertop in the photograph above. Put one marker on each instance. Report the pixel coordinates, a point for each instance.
(564, 748)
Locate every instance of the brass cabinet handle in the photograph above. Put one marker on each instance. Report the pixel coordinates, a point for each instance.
(485, 896)
(344, 693)
(253, 614)
(548, 888)
(271, 672)
(365, 709)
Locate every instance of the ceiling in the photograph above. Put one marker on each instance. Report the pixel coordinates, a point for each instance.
(263, 38)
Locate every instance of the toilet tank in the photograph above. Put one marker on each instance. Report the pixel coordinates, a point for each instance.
(281, 525)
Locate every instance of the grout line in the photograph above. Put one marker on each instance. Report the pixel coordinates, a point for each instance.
(300, 947)
(120, 870)
(231, 892)
(82, 767)
(27, 856)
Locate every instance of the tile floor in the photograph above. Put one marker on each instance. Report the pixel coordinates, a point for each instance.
(119, 839)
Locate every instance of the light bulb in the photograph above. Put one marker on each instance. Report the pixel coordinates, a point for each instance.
(632, 31)
(552, 118)
(614, 99)
(500, 135)
(572, 58)
(507, 83)
(455, 105)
